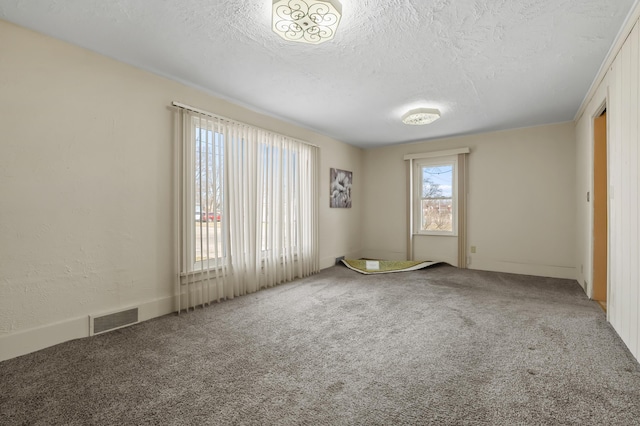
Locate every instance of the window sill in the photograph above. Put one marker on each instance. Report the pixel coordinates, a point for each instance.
(198, 275)
(435, 234)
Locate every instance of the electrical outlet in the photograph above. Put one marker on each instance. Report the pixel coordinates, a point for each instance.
(473, 249)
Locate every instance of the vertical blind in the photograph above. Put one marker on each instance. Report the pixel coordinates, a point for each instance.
(248, 209)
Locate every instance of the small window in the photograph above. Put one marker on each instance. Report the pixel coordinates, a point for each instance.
(436, 186)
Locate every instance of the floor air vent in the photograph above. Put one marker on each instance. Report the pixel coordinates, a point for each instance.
(103, 323)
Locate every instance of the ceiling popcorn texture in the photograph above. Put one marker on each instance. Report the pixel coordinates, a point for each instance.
(485, 64)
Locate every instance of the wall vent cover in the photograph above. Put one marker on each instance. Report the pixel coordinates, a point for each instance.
(103, 323)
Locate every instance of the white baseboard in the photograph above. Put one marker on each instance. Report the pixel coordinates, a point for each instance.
(27, 341)
(552, 271)
(34, 339)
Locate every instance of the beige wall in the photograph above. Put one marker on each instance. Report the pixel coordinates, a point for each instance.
(521, 202)
(86, 187)
(619, 89)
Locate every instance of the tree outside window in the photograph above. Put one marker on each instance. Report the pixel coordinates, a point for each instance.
(436, 209)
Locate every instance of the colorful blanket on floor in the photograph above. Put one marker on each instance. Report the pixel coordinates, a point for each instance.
(385, 266)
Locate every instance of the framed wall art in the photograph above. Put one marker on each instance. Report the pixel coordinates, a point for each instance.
(340, 189)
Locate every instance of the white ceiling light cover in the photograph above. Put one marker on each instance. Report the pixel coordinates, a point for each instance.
(306, 21)
(421, 116)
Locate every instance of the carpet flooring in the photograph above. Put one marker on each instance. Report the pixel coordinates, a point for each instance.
(436, 346)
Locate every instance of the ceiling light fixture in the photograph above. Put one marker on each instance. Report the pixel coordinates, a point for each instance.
(420, 116)
(306, 21)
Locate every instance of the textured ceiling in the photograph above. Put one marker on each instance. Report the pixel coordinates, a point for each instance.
(486, 64)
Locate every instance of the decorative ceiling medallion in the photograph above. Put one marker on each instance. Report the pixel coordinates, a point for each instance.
(306, 21)
(421, 116)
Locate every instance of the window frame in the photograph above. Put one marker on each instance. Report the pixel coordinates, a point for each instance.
(419, 165)
(191, 263)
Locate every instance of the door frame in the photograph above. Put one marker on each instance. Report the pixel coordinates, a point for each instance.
(598, 112)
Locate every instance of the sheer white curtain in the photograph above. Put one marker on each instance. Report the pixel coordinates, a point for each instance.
(249, 209)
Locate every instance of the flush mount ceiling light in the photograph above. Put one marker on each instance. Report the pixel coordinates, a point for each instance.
(420, 116)
(306, 21)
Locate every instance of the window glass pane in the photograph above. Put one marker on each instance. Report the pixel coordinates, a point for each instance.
(437, 181)
(437, 198)
(208, 197)
(437, 215)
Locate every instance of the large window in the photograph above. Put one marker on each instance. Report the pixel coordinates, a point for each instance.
(436, 196)
(248, 208)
